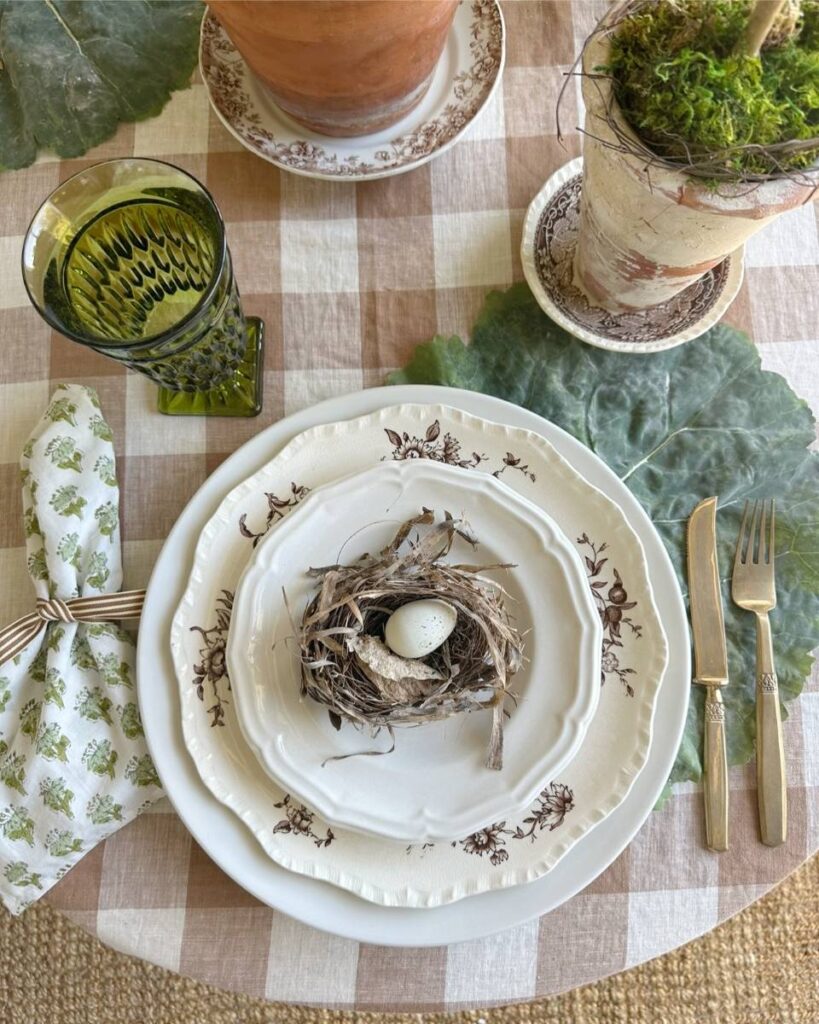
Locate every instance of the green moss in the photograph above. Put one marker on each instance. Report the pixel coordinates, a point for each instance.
(689, 96)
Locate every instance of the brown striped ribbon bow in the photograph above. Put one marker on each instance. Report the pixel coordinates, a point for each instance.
(17, 636)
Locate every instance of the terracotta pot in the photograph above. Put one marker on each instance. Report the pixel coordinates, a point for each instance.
(646, 233)
(341, 67)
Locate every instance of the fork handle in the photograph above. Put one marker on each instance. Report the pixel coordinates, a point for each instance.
(715, 780)
(771, 778)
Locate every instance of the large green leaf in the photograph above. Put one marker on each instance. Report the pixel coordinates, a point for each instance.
(71, 70)
(676, 427)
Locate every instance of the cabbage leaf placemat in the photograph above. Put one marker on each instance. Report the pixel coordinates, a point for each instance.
(70, 72)
(676, 427)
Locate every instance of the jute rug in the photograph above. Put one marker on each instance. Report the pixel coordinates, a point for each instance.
(762, 967)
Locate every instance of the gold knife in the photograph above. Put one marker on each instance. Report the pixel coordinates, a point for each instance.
(710, 664)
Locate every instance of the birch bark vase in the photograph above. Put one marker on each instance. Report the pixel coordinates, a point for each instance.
(341, 67)
(646, 233)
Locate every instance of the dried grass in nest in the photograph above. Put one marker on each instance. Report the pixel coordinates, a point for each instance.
(346, 666)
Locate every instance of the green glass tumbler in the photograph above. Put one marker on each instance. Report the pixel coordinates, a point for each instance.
(129, 258)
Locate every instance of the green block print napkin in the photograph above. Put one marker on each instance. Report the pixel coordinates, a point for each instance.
(73, 762)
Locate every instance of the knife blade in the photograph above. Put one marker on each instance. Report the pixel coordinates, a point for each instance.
(707, 624)
(710, 665)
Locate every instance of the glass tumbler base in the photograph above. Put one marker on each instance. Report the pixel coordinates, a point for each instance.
(239, 396)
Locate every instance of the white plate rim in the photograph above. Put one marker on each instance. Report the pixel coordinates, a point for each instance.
(226, 840)
(304, 785)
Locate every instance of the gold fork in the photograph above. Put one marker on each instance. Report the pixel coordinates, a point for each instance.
(753, 589)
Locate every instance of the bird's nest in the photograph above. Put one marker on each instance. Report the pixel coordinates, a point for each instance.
(346, 666)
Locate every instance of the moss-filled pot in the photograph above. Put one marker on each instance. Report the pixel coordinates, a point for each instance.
(648, 229)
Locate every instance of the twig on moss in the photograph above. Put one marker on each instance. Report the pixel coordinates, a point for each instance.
(760, 21)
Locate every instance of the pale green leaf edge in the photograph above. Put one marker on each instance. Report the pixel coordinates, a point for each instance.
(71, 73)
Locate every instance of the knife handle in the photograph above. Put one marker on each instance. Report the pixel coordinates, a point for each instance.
(715, 780)
(771, 780)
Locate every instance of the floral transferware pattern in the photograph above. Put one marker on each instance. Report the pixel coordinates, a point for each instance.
(277, 508)
(245, 108)
(555, 240)
(548, 256)
(73, 760)
(611, 604)
(568, 807)
(211, 667)
(447, 449)
(548, 813)
(431, 446)
(298, 821)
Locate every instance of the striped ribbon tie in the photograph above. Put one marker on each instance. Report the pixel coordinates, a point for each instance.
(17, 636)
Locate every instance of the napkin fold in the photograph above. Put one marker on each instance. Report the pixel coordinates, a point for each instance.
(74, 766)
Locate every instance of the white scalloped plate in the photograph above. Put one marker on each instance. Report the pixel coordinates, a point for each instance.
(505, 853)
(399, 796)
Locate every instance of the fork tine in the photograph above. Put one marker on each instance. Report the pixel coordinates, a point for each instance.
(752, 556)
(772, 533)
(763, 533)
(743, 536)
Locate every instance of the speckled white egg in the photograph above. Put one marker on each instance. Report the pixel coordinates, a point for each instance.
(419, 627)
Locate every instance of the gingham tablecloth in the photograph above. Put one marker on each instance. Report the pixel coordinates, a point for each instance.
(348, 279)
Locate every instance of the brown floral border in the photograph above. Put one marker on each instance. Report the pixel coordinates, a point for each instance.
(554, 244)
(277, 508)
(431, 446)
(212, 665)
(223, 71)
(548, 813)
(447, 449)
(611, 604)
(298, 821)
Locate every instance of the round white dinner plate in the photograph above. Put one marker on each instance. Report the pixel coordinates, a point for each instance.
(506, 852)
(399, 795)
(224, 837)
(465, 79)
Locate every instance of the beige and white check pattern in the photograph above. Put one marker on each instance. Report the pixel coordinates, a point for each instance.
(348, 278)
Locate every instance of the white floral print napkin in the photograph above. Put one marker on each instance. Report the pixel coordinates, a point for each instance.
(73, 762)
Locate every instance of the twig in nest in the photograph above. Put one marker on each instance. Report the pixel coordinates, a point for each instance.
(346, 666)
